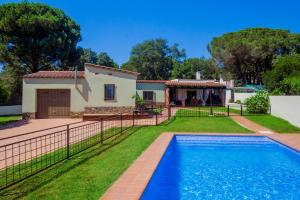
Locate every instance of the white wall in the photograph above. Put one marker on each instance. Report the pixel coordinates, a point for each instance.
(238, 96)
(157, 88)
(242, 96)
(286, 107)
(11, 110)
(89, 91)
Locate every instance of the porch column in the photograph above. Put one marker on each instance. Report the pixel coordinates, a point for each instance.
(222, 94)
(167, 97)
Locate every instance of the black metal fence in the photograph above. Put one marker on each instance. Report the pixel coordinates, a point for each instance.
(34, 152)
(219, 111)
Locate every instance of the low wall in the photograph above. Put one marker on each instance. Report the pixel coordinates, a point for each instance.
(11, 110)
(286, 107)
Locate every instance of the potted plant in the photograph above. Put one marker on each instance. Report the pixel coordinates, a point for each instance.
(139, 103)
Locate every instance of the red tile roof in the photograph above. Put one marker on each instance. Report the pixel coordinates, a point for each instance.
(151, 81)
(55, 74)
(112, 69)
(195, 84)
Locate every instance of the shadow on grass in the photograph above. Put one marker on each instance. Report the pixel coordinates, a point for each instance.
(35, 182)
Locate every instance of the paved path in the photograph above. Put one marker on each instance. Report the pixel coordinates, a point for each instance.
(35, 125)
(290, 139)
(243, 121)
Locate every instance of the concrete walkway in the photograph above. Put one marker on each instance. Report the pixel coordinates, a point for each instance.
(289, 139)
(35, 125)
(243, 121)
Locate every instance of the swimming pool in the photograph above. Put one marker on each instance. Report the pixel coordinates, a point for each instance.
(225, 167)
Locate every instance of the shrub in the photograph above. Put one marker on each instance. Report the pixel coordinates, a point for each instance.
(4, 92)
(259, 103)
(238, 101)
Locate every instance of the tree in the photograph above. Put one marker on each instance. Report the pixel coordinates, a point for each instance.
(188, 69)
(86, 56)
(284, 78)
(247, 54)
(11, 78)
(36, 36)
(104, 59)
(154, 59)
(4, 92)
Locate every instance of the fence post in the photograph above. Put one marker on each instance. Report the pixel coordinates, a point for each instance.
(211, 110)
(241, 109)
(270, 110)
(133, 118)
(228, 110)
(101, 131)
(156, 118)
(198, 111)
(169, 112)
(121, 123)
(68, 141)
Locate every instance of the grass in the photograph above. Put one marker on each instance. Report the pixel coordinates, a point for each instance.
(205, 124)
(22, 170)
(8, 119)
(274, 123)
(202, 111)
(88, 175)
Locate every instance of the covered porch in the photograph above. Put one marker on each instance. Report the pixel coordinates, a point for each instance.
(195, 93)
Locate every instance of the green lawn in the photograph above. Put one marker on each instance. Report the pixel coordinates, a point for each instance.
(88, 175)
(202, 111)
(7, 119)
(274, 123)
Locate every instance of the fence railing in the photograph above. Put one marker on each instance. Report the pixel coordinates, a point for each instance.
(34, 152)
(214, 110)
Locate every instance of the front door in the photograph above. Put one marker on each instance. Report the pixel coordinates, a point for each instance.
(191, 98)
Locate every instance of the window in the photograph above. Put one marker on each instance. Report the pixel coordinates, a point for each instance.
(109, 92)
(148, 95)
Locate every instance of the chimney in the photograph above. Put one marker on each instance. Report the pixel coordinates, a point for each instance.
(198, 75)
(221, 79)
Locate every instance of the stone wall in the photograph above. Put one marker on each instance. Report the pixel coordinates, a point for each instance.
(28, 115)
(76, 114)
(108, 110)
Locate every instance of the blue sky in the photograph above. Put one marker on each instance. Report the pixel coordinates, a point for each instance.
(115, 26)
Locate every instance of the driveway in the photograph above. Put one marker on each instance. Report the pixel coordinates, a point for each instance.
(35, 125)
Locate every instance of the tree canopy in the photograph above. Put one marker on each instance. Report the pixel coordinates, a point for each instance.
(87, 56)
(37, 36)
(90, 56)
(284, 78)
(247, 54)
(154, 59)
(104, 59)
(188, 69)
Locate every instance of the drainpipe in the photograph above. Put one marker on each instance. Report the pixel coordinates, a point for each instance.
(75, 77)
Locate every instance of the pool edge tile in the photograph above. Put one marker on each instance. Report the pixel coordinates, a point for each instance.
(132, 183)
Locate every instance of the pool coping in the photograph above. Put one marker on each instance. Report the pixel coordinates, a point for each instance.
(132, 183)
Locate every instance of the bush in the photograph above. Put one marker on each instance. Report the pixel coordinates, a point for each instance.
(4, 92)
(259, 103)
(238, 101)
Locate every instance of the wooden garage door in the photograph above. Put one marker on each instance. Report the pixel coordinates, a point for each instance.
(53, 103)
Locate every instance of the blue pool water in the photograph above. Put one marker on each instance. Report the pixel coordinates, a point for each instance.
(225, 167)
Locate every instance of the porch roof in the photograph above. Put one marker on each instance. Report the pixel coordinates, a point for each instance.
(199, 84)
